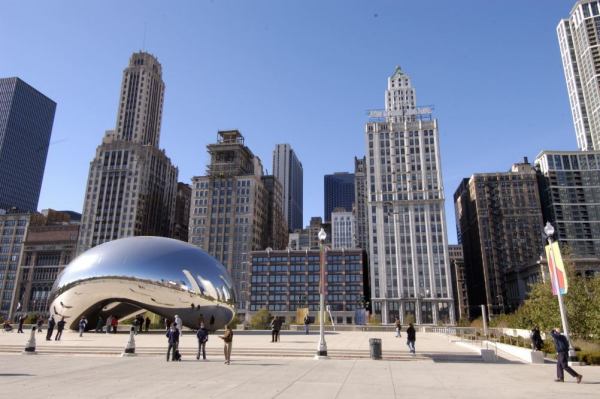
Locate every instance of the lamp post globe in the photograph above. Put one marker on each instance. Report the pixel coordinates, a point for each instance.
(322, 348)
(549, 229)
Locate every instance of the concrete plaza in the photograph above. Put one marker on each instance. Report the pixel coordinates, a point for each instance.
(90, 367)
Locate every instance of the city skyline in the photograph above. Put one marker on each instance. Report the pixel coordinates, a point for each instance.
(471, 106)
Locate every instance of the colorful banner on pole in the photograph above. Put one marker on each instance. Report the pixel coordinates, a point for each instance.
(558, 274)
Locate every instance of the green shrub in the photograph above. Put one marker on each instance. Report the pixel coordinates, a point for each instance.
(375, 320)
(591, 358)
(234, 322)
(261, 320)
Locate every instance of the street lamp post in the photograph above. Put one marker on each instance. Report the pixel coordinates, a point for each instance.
(322, 348)
(549, 230)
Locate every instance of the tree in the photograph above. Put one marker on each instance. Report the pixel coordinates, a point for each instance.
(582, 303)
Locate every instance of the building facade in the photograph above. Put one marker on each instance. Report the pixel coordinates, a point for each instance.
(288, 169)
(410, 270)
(50, 244)
(342, 229)
(13, 227)
(578, 37)
(182, 211)
(26, 118)
(569, 183)
(132, 184)
(459, 281)
(284, 281)
(230, 208)
(360, 209)
(339, 193)
(277, 230)
(500, 220)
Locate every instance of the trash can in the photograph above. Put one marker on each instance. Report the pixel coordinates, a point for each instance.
(375, 347)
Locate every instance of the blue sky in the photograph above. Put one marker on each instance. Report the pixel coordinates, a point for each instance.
(298, 72)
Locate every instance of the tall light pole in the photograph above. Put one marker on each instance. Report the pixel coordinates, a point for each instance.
(322, 348)
(549, 230)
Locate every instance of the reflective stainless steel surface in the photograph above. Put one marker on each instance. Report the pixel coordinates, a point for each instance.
(129, 275)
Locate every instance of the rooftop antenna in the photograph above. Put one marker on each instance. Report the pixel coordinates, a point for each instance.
(144, 40)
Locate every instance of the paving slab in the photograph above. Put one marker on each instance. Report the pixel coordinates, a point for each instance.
(449, 371)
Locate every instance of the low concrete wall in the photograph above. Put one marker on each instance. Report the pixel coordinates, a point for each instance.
(524, 354)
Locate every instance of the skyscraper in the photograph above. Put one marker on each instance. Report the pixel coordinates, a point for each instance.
(578, 39)
(408, 258)
(339, 193)
(277, 231)
(26, 118)
(343, 227)
(230, 208)
(288, 169)
(360, 203)
(500, 220)
(132, 184)
(570, 194)
(182, 211)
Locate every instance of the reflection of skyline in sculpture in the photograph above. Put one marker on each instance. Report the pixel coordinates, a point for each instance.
(128, 276)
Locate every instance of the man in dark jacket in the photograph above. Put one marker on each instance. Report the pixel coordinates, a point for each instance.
(21, 322)
(562, 357)
(275, 328)
(306, 324)
(202, 335)
(51, 324)
(173, 336)
(60, 326)
(147, 323)
(411, 337)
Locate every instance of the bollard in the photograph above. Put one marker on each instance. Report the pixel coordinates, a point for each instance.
(30, 344)
(130, 347)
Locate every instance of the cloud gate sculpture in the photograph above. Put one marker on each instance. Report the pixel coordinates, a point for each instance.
(127, 276)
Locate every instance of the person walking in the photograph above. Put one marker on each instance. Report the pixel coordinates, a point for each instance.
(275, 328)
(99, 324)
(306, 323)
(398, 328)
(147, 323)
(82, 324)
(21, 322)
(411, 337)
(562, 357)
(227, 338)
(40, 323)
(202, 335)
(173, 337)
(108, 324)
(136, 325)
(60, 326)
(114, 323)
(536, 339)
(51, 324)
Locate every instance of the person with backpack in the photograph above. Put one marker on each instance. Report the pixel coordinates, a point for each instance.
(275, 328)
(173, 337)
(202, 335)
(398, 328)
(536, 339)
(82, 324)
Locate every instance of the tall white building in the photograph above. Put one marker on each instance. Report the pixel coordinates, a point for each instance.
(578, 37)
(288, 169)
(132, 184)
(409, 263)
(343, 227)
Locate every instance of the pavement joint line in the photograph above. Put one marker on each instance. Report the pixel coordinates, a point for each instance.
(392, 379)
(337, 394)
(299, 377)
